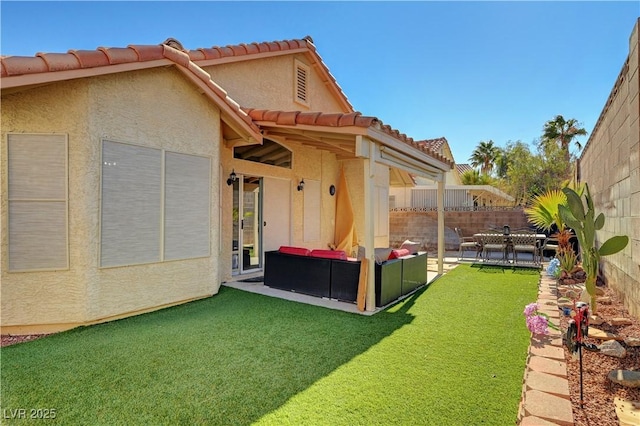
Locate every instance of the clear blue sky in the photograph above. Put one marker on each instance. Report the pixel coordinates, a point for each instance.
(468, 71)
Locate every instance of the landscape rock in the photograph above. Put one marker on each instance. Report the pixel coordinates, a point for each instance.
(632, 341)
(628, 378)
(613, 348)
(620, 321)
(596, 333)
(604, 300)
(599, 291)
(595, 320)
(628, 411)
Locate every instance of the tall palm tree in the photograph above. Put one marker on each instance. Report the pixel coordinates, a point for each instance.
(563, 132)
(484, 156)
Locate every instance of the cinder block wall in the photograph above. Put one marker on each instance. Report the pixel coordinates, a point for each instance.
(422, 226)
(610, 165)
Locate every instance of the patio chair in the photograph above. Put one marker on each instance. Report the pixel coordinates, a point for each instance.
(493, 241)
(549, 244)
(524, 242)
(467, 243)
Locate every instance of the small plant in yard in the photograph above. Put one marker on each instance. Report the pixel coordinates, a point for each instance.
(568, 260)
(537, 322)
(585, 224)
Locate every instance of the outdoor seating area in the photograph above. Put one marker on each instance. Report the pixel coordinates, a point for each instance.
(331, 274)
(519, 248)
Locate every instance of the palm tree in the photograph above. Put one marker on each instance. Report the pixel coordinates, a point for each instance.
(473, 177)
(562, 132)
(484, 156)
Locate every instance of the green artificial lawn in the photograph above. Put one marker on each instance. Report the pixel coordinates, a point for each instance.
(451, 354)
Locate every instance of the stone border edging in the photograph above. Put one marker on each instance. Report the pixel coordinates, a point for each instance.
(545, 388)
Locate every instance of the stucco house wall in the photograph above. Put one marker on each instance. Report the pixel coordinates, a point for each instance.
(610, 165)
(309, 164)
(268, 83)
(154, 108)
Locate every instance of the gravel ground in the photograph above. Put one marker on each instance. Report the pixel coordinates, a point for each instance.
(9, 339)
(598, 391)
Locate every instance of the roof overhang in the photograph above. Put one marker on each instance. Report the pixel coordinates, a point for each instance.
(347, 142)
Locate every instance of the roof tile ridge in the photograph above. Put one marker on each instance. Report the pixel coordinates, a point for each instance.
(59, 61)
(182, 58)
(119, 55)
(20, 65)
(90, 58)
(175, 55)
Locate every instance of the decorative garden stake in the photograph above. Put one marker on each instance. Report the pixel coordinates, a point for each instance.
(577, 330)
(585, 225)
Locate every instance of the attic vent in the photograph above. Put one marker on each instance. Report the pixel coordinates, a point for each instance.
(301, 83)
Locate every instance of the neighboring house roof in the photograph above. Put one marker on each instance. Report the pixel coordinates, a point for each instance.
(461, 168)
(433, 144)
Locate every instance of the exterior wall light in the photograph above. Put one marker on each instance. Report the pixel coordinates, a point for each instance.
(301, 185)
(232, 178)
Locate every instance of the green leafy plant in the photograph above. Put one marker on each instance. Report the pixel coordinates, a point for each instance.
(585, 224)
(544, 213)
(568, 260)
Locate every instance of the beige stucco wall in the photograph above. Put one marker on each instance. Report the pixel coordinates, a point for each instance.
(309, 164)
(610, 165)
(155, 108)
(268, 83)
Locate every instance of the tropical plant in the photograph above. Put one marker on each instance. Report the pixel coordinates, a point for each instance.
(568, 260)
(484, 156)
(544, 213)
(473, 177)
(585, 224)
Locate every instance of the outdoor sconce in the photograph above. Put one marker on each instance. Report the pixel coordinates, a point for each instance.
(301, 185)
(232, 178)
(506, 230)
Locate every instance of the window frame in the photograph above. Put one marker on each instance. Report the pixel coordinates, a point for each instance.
(161, 206)
(67, 265)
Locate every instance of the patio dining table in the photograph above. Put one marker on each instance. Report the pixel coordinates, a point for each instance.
(507, 240)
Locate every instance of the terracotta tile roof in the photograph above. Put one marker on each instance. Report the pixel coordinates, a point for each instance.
(434, 144)
(15, 66)
(292, 118)
(172, 51)
(461, 168)
(211, 54)
(105, 56)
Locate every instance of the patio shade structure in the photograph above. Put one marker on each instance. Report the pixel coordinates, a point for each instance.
(345, 232)
(376, 146)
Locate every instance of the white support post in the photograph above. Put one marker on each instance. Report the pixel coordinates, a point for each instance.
(441, 225)
(369, 169)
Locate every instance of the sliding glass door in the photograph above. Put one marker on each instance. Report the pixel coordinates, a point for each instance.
(247, 224)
